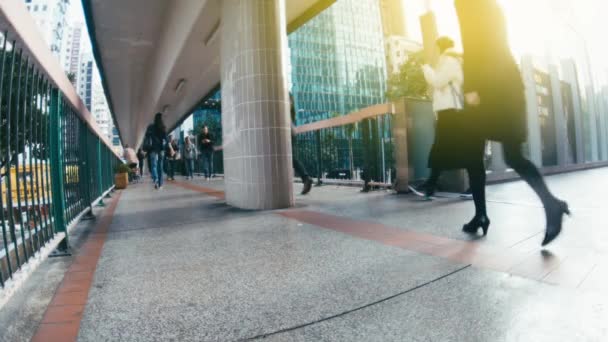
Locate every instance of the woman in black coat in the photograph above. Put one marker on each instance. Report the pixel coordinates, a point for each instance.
(494, 93)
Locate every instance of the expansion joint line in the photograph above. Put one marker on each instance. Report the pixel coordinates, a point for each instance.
(262, 336)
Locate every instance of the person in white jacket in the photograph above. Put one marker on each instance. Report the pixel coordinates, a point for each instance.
(446, 81)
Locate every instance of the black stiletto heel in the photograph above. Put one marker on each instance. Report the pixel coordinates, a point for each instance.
(477, 222)
(555, 217)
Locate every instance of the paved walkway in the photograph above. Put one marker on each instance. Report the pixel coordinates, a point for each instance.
(180, 265)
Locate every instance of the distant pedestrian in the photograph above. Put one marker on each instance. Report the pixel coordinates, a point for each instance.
(155, 142)
(206, 141)
(297, 165)
(141, 155)
(496, 107)
(130, 157)
(189, 154)
(172, 153)
(446, 81)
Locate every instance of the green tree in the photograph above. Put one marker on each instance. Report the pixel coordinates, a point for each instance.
(27, 107)
(409, 82)
(72, 77)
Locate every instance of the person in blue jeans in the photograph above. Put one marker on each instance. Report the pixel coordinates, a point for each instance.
(205, 140)
(189, 157)
(155, 142)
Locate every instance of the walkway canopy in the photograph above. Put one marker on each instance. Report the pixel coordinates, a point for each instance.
(164, 55)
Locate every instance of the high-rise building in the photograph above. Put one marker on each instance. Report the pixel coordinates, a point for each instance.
(338, 61)
(91, 92)
(72, 46)
(85, 79)
(50, 15)
(398, 49)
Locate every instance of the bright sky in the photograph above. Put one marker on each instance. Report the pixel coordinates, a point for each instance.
(551, 29)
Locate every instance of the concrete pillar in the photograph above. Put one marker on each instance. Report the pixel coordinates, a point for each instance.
(428, 25)
(571, 76)
(255, 105)
(561, 134)
(534, 137)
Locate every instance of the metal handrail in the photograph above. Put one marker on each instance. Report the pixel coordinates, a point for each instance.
(54, 161)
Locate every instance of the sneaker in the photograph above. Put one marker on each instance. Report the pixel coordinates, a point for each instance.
(307, 186)
(419, 191)
(422, 191)
(155, 185)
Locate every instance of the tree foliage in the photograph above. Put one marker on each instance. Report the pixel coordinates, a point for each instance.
(409, 82)
(23, 119)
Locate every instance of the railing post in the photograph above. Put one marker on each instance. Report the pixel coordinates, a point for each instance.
(57, 167)
(85, 164)
(100, 172)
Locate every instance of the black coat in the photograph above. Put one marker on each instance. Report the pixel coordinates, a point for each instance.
(490, 70)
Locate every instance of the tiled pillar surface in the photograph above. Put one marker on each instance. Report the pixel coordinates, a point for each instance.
(255, 105)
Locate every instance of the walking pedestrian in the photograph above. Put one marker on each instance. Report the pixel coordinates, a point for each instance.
(496, 106)
(172, 157)
(155, 142)
(141, 155)
(206, 141)
(189, 154)
(297, 165)
(446, 80)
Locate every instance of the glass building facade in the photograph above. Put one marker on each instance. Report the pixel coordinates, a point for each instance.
(338, 61)
(338, 66)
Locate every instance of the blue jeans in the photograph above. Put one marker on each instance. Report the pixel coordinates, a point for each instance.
(207, 163)
(189, 167)
(156, 166)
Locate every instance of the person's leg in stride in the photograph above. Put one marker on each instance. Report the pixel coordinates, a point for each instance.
(207, 165)
(301, 171)
(159, 172)
(554, 208)
(153, 163)
(190, 168)
(477, 181)
(170, 169)
(429, 187)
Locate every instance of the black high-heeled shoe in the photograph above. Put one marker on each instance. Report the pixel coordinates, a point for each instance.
(477, 222)
(555, 216)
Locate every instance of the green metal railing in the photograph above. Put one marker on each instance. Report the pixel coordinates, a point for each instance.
(347, 152)
(53, 165)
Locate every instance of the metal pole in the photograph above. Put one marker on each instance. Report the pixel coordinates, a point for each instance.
(57, 166)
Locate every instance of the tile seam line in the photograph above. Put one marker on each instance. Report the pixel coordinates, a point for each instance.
(347, 312)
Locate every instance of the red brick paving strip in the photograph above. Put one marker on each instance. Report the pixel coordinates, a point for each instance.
(207, 191)
(525, 262)
(61, 321)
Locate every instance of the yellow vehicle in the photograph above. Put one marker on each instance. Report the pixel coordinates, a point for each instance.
(18, 186)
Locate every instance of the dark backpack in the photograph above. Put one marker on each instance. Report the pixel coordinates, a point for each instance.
(148, 141)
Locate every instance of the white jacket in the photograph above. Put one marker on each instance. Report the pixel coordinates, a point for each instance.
(446, 79)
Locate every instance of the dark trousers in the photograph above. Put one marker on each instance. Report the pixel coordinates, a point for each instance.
(141, 167)
(171, 168)
(300, 169)
(207, 157)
